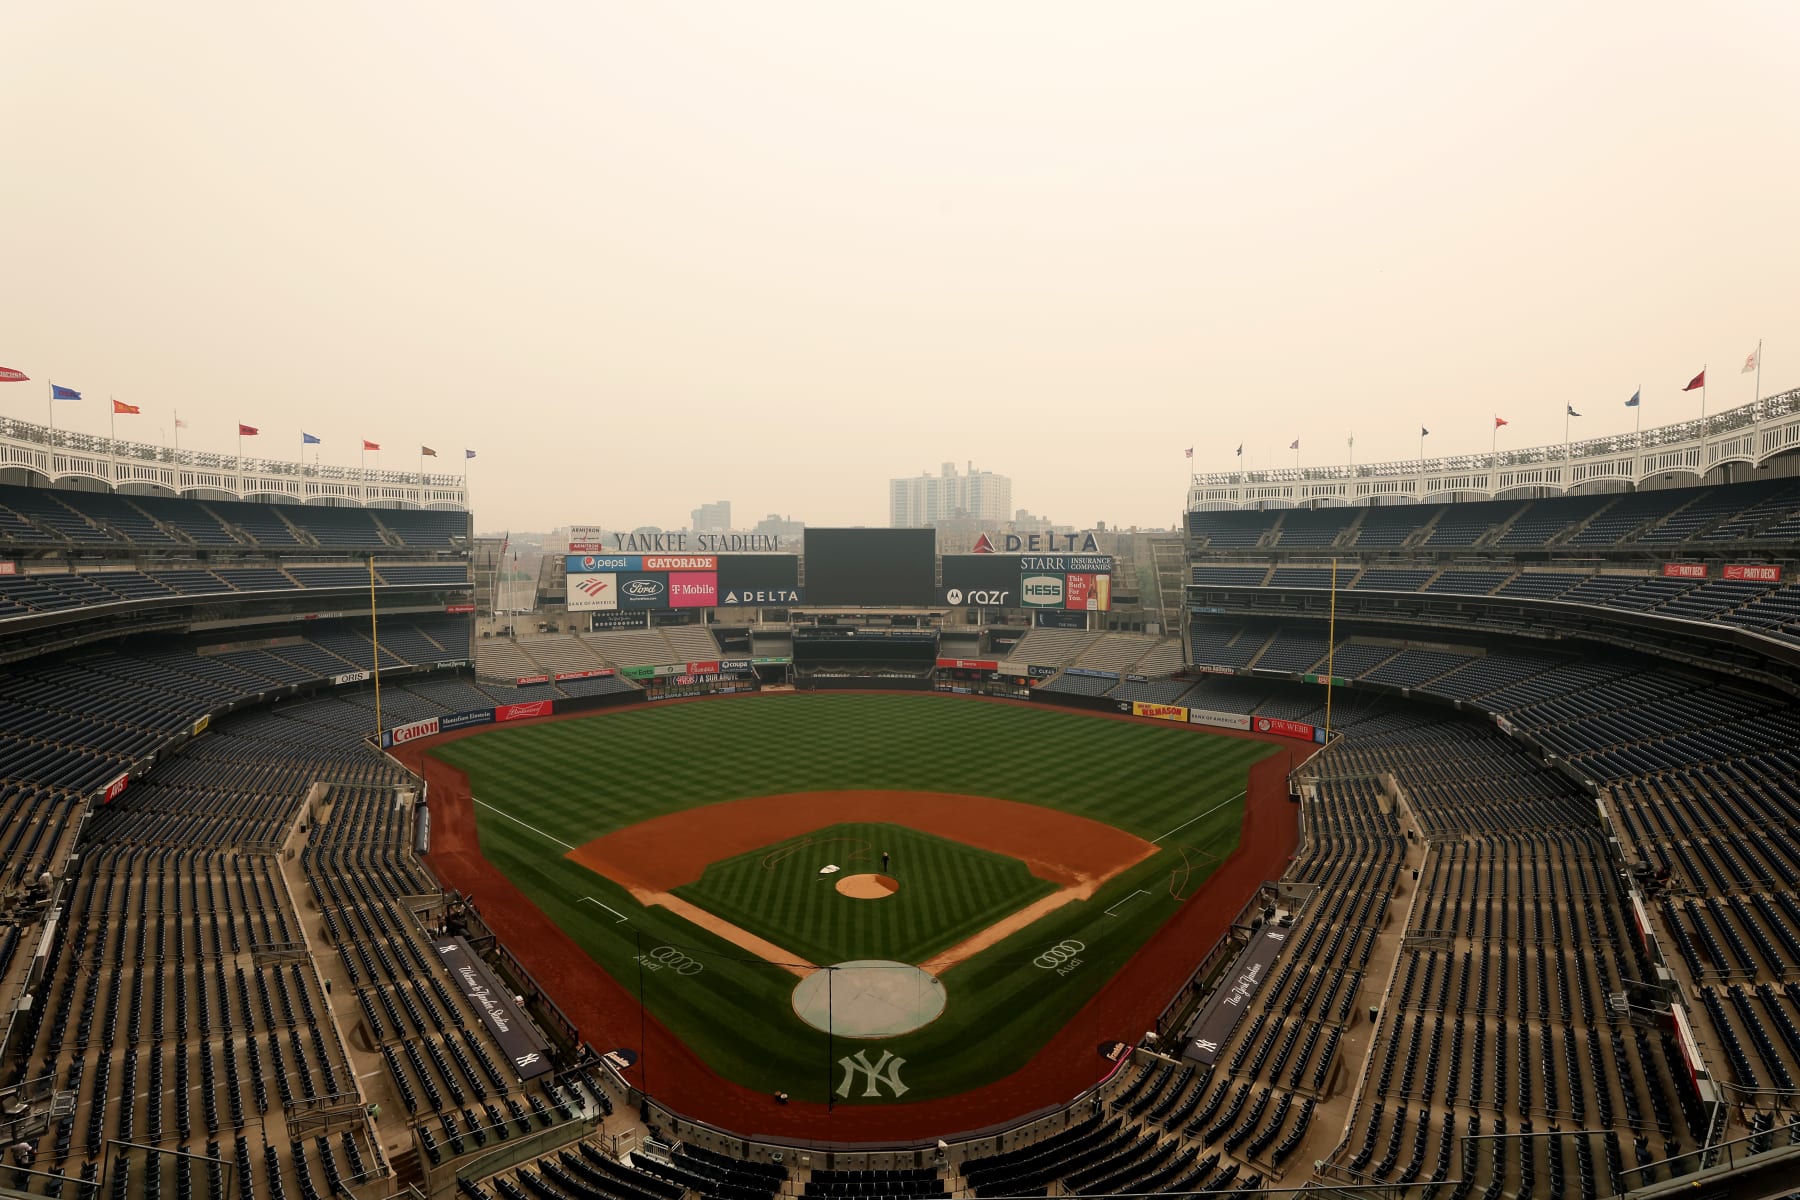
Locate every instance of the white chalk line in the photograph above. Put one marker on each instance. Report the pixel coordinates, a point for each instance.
(1209, 812)
(609, 908)
(516, 821)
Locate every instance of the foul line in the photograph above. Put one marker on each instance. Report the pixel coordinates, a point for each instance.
(609, 908)
(1133, 895)
(516, 821)
(1209, 812)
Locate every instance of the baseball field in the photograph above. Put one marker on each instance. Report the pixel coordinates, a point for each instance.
(723, 861)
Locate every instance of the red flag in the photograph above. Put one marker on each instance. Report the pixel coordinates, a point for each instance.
(246, 431)
(368, 445)
(1698, 381)
(1499, 421)
(119, 406)
(427, 452)
(8, 375)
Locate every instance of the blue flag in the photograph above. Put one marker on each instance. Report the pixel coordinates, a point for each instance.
(1572, 411)
(1633, 402)
(58, 392)
(307, 439)
(468, 454)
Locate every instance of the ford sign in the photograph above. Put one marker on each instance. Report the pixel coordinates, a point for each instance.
(644, 589)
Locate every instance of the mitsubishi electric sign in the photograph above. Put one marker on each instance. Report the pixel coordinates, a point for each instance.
(1041, 591)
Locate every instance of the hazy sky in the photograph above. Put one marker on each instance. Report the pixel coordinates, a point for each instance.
(639, 256)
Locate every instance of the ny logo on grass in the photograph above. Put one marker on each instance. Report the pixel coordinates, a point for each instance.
(885, 1069)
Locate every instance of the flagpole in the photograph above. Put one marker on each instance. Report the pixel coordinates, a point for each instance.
(177, 414)
(50, 413)
(1639, 406)
(1758, 394)
(1704, 429)
(112, 440)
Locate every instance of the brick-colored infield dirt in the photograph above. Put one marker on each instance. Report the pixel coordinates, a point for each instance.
(607, 1015)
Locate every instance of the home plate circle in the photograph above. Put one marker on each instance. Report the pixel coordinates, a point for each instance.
(867, 887)
(868, 998)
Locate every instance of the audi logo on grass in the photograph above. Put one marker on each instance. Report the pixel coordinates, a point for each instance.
(1059, 954)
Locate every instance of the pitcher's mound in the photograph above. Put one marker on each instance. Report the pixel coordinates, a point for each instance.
(868, 887)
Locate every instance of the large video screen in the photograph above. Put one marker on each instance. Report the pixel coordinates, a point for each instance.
(877, 568)
(747, 580)
(987, 580)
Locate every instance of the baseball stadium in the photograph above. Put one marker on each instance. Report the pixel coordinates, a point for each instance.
(1420, 828)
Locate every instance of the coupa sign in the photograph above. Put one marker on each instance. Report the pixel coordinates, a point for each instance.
(1041, 591)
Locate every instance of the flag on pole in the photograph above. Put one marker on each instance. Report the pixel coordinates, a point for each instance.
(467, 454)
(1424, 432)
(8, 375)
(1294, 445)
(1572, 411)
(368, 445)
(307, 439)
(1750, 362)
(58, 392)
(1499, 421)
(1636, 397)
(246, 430)
(119, 406)
(1240, 449)
(180, 424)
(1190, 452)
(1698, 381)
(427, 452)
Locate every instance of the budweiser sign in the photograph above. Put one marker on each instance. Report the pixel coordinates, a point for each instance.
(1753, 573)
(1684, 570)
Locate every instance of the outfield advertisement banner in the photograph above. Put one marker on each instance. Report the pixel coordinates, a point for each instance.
(1752, 572)
(519, 1039)
(593, 564)
(1293, 729)
(399, 735)
(459, 610)
(1041, 591)
(462, 720)
(598, 592)
(640, 590)
(1088, 593)
(521, 712)
(8, 567)
(349, 677)
(585, 539)
(1218, 720)
(116, 788)
(597, 673)
(692, 589)
(1162, 712)
(969, 664)
(1684, 570)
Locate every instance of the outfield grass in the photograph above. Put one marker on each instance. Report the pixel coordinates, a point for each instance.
(948, 892)
(542, 789)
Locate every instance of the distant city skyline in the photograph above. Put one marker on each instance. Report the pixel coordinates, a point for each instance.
(823, 244)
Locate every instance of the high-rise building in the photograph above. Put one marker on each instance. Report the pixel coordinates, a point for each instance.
(926, 499)
(713, 518)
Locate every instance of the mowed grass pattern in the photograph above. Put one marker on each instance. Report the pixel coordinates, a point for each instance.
(948, 892)
(572, 781)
